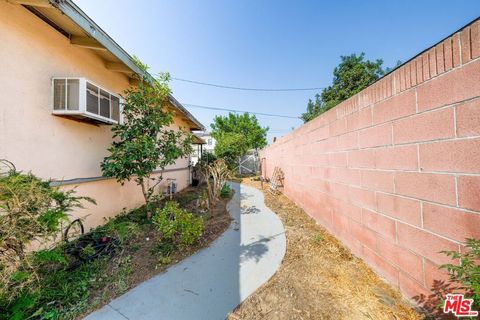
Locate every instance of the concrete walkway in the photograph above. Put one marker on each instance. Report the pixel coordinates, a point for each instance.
(212, 282)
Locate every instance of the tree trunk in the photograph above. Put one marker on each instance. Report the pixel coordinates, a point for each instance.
(146, 195)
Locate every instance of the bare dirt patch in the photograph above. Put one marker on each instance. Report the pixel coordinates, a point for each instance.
(319, 278)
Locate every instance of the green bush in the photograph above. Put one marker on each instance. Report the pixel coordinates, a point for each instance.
(178, 225)
(466, 274)
(30, 209)
(225, 192)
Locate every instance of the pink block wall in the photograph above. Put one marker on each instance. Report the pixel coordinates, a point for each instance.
(394, 172)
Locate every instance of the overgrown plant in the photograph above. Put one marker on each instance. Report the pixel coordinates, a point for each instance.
(177, 225)
(46, 286)
(30, 209)
(144, 142)
(216, 175)
(466, 274)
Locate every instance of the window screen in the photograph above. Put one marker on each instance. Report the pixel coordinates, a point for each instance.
(73, 91)
(59, 94)
(104, 104)
(115, 109)
(92, 98)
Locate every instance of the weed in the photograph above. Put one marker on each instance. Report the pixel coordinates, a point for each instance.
(466, 274)
(165, 248)
(164, 260)
(317, 238)
(122, 274)
(87, 252)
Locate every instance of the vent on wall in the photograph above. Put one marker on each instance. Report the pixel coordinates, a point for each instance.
(83, 99)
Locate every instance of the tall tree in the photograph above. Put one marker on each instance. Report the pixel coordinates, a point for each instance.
(145, 143)
(236, 134)
(351, 76)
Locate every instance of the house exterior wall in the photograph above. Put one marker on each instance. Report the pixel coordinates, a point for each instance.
(209, 146)
(52, 147)
(394, 171)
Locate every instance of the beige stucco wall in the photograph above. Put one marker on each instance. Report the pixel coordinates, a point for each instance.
(52, 147)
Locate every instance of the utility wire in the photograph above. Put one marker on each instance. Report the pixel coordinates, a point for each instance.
(222, 86)
(244, 88)
(242, 111)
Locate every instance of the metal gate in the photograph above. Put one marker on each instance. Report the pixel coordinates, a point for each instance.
(249, 164)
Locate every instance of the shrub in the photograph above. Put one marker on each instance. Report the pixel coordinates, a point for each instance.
(216, 175)
(466, 274)
(178, 225)
(225, 192)
(30, 209)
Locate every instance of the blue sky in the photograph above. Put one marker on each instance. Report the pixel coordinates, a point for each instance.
(270, 44)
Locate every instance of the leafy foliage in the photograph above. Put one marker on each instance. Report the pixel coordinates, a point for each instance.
(145, 143)
(236, 134)
(57, 293)
(466, 274)
(231, 146)
(44, 287)
(225, 192)
(207, 158)
(351, 76)
(30, 209)
(178, 225)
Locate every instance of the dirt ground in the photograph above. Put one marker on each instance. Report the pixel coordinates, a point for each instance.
(319, 278)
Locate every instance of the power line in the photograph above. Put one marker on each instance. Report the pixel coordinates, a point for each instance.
(222, 86)
(245, 88)
(242, 111)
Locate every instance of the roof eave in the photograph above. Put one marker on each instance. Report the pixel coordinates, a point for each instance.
(187, 113)
(72, 11)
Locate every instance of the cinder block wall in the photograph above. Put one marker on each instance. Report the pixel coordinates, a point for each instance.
(394, 172)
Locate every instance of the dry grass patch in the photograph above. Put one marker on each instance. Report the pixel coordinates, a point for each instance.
(319, 278)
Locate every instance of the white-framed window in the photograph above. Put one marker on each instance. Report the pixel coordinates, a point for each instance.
(209, 142)
(82, 98)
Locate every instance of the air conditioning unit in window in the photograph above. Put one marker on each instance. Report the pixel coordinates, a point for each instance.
(82, 99)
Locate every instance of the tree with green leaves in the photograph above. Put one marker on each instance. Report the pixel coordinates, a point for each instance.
(144, 142)
(351, 76)
(235, 134)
